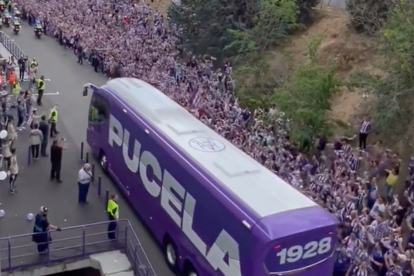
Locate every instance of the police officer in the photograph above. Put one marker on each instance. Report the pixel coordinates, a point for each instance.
(40, 83)
(53, 117)
(16, 92)
(41, 229)
(16, 21)
(113, 214)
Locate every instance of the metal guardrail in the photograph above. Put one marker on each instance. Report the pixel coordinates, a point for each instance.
(18, 252)
(11, 46)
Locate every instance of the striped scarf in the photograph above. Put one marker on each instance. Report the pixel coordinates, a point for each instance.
(346, 148)
(354, 162)
(360, 271)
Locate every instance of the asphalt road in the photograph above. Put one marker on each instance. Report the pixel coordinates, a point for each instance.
(34, 187)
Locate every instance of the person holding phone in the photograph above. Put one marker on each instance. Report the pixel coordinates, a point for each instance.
(56, 152)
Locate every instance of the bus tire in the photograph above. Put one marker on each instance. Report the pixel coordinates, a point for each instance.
(189, 269)
(171, 254)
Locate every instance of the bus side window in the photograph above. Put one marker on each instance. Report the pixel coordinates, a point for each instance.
(99, 109)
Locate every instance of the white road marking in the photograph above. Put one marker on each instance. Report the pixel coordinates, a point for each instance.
(34, 96)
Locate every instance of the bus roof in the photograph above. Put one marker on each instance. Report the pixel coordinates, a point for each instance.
(260, 189)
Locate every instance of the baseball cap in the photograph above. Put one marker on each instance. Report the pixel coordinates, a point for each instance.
(44, 209)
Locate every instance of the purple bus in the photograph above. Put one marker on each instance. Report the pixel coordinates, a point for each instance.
(212, 208)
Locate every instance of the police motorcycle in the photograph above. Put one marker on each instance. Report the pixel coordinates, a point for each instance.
(16, 11)
(7, 19)
(16, 25)
(38, 29)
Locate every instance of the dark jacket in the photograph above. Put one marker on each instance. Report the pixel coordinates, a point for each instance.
(22, 63)
(56, 154)
(44, 128)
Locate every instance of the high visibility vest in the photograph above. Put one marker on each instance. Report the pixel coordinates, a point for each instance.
(53, 116)
(33, 63)
(12, 77)
(111, 206)
(94, 115)
(16, 88)
(40, 84)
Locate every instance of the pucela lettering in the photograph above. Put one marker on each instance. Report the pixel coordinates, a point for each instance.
(224, 243)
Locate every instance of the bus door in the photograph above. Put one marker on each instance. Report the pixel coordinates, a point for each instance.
(98, 123)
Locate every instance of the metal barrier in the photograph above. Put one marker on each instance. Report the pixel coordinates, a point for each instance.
(11, 46)
(18, 252)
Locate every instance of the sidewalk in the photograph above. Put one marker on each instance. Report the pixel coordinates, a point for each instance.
(6, 54)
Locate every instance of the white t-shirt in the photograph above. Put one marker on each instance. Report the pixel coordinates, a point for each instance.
(377, 209)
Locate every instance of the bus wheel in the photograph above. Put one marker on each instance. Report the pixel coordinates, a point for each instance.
(189, 269)
(170, 254)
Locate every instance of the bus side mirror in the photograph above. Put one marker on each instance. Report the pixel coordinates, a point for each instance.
(85, 91)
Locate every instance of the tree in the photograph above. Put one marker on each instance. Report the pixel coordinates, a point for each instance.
(369, 16)
(234, 27)
(203, 24)
(271, 25)
(393, 115)
(254, 83)
(305, 97)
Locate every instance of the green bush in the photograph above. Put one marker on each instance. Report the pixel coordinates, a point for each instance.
(368, 16)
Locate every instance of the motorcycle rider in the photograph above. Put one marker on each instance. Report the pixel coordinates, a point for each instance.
(16, 21)
(6, 18)
(38, 26)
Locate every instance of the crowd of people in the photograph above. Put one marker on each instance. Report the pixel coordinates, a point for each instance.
(120, 38)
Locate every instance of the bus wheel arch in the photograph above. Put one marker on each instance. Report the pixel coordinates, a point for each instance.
(189, 269)
(171, 253)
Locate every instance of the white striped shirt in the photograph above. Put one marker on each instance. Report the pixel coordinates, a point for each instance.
(354, 162)
(365, 127)
(361, 270)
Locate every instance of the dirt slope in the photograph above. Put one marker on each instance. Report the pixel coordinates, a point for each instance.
(353, 53)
